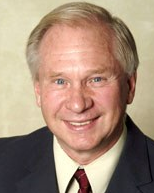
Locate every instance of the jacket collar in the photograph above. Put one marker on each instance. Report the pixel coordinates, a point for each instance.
(40, 176)
(133, 170)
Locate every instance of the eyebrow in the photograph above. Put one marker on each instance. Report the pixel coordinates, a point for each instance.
(55, 74)
(99, 71)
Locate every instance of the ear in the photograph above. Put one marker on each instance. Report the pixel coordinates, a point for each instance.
(37, 92)
(131, 86)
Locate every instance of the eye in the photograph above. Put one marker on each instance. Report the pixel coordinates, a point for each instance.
(97, 79)
(60, 81)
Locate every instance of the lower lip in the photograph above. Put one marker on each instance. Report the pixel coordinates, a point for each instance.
(82, 127)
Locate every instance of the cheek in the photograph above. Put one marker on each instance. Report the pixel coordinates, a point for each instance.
(51, 102)
(107, 98)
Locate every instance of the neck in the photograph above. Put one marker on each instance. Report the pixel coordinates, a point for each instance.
(85, 157)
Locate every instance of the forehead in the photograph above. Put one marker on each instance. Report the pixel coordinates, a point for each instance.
(87, 46)
(62, 36)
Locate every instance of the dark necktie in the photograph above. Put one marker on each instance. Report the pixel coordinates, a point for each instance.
(84, 185)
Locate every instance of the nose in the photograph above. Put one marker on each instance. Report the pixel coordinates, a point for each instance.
(78, 101)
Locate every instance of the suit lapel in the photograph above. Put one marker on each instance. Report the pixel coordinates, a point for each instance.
(133, 171)
(41, 175)
(42, 180)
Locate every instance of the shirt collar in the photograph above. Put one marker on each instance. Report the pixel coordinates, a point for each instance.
(101, 170)
(65, 166)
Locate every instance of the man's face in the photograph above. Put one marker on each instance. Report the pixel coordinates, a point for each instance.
(82, 90)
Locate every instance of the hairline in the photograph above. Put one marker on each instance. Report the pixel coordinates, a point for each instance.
(79, 19)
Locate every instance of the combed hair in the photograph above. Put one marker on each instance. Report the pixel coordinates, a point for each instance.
(79, 14)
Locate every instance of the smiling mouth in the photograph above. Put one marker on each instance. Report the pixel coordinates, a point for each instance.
(80, 123)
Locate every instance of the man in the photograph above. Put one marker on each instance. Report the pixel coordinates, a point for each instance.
(84, 66)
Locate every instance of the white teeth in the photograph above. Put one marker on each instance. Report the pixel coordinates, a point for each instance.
(80, 124)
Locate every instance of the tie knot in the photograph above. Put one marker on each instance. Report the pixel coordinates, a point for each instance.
(82, 179)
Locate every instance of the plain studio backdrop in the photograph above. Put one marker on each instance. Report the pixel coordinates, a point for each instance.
(18, 111)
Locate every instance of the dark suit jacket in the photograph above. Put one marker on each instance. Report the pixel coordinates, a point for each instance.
(27, 164)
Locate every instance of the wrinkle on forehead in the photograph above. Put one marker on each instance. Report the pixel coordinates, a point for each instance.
(77, 49)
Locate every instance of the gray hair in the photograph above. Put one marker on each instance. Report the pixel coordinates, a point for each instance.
(78, 13)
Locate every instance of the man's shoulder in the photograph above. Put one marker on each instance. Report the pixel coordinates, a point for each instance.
(24, 141)
(20, 155)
